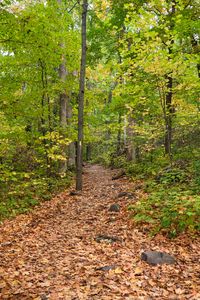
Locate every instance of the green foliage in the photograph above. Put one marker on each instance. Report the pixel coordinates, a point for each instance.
(169, 210)
(172, 175)
(133, 49)
(31, 137)
(171, 203)
(196, 172)
(20, 192)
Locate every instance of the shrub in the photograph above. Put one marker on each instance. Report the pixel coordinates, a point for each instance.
(172, 211)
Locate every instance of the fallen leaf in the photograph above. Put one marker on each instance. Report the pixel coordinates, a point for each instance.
(138, 271)
(118, 271)
(179, 291)
(2, 284)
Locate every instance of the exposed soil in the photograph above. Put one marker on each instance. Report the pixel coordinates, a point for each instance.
(54, 252)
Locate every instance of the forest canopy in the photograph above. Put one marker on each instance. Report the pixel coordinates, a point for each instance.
(141, 106)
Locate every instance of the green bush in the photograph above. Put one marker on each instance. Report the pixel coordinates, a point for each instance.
(169, 210)
(196, 172)
(22, 191)
(172, 175)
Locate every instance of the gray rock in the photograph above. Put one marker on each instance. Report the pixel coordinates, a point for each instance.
(75, 193)
(107, 239)
(114, 207)
(157, 258)
(119, 175)
(106, 268)
(125, 194)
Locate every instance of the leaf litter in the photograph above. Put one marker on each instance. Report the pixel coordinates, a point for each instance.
(52, 253)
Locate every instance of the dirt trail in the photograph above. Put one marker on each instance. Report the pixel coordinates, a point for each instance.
(52, 254)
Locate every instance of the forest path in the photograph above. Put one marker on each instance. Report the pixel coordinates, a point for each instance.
(51, 253)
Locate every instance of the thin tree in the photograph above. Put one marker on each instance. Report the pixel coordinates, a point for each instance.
(79, 160)
(63, 103)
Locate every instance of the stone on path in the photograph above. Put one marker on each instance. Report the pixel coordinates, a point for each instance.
(74, 193)
(119, 175)
(157, 258)
(125, 194)
(114, 207)
(107, 239)
(106, 268)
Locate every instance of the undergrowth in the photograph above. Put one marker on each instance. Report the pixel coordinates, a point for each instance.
(172, 201)
(19, 193)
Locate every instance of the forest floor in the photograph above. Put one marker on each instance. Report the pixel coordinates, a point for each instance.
(56, 251)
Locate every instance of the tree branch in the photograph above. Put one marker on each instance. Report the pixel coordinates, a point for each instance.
(77, 2)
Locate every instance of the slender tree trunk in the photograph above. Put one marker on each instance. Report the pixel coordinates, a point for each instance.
(125, 132)
(195, 46)
(88, 151)
(63, 100)
(119, 134)
(169, 95)
(43, 123)
(79, 184)
(131, 149)
(198, 69)
(71, 152)
(168, 117)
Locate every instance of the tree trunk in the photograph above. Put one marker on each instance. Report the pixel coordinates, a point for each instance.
(43, 123)
(79, 184)
(119, 134)
(195, 47)
(88, 151)
(168, 116)
(169, 95)
(131, 148)
(71, 151)
(63, 100)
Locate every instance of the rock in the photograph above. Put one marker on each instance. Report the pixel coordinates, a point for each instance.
(156, 257)
(119, 175)
(107, 239)
(106, 268)
(114, 208)
(74, 193)
(125, 194)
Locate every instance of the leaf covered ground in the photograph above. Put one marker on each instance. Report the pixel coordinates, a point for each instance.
(54, 251)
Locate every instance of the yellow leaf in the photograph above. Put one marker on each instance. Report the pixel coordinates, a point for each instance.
(138, 271)
(15, 283)
(118, 271)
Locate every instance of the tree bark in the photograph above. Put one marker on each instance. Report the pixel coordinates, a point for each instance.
(88, 151)
(63, 99)
(169, 95)
(79, 184)
(131, 148)
(119, 134)
(168, 116)
(196, 50)
(71, 151)
(63, 105)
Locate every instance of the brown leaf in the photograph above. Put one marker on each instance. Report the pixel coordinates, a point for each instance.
(179, 291)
